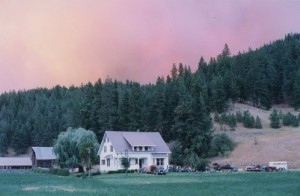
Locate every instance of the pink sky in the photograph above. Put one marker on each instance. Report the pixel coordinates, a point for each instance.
(69, 42)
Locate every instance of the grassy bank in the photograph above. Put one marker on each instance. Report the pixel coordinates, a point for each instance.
(286, 183)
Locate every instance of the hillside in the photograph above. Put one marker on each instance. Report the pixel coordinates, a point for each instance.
(262, 145)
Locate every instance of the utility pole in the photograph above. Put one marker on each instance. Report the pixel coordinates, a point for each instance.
(89, 151)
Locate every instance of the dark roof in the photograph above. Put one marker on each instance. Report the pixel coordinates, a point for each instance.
(44, 153)
(124, 141)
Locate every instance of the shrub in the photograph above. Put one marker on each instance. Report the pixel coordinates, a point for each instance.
(231, 121)
(216, 117)
(290, 120)
(40, 170)
(63, 172)
(121, 171)
(202, 165)
(96, 173)
(59, 172)
(220, 144)
(224, 118)
(239, 116)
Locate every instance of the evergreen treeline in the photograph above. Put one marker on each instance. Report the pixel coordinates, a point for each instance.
(177, 106)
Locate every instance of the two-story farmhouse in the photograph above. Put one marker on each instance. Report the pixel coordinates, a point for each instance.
(142, 148)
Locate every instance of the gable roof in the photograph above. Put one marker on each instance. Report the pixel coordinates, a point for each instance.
(15, 161)
(124, 141)
(44, 153)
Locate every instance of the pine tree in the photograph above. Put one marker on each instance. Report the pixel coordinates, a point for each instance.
(275, 121)
(218, 101)
(109, 105)
(296, 94)
(202, 66)
(3, 138)
(258, 124)
(248, 120)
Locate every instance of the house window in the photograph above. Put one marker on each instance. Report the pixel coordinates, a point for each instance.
(136, 161)
(148, 148)
(105, 149)
(108, 162)
(140, 148)
(135, 148)
(111, 148)
(159, 161)
(103, 162)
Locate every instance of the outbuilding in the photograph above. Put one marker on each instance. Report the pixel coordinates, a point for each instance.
(15, 163)
(43, 157)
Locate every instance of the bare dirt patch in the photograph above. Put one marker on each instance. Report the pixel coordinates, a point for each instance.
(52, 188)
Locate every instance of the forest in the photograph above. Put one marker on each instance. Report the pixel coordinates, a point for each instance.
(177, 105)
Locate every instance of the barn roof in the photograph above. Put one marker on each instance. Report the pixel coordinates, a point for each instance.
(44, 153)
(124, 141)
(15, 161)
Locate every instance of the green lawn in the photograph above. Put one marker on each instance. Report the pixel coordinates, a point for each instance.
(285, 183)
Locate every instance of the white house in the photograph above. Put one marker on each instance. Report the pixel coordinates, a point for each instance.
(142, 148)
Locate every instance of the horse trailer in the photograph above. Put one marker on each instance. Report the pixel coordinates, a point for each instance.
(280, 165)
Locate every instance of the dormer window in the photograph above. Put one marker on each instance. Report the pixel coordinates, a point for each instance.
(142, 148)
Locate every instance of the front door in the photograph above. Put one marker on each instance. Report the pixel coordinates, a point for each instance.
(141, 163)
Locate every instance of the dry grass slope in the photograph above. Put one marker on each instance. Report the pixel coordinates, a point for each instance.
(263, 145)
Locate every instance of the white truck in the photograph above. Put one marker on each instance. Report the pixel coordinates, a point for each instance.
(280, 165)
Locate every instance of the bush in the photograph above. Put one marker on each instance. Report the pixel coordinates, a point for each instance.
(220, 144)
(231, 121)
(121, 171)
(228, 119)
(202, 165)
(40, 170)
(217, 117)
(290, 120)
(59, 172)
(239, 116)
(96, 173)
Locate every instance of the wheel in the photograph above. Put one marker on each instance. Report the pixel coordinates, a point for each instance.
(270, 169)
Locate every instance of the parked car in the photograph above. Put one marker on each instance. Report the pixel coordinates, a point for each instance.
(173, 168)
(159, 171)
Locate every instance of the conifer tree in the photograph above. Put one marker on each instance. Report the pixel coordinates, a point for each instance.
(258, 124)
(296, 94)
(275, 121)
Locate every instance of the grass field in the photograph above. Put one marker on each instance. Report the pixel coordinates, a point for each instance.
(285, 183)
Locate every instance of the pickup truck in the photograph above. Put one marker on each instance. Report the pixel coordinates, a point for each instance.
(253, 168)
